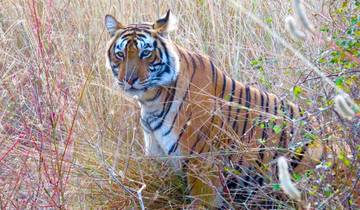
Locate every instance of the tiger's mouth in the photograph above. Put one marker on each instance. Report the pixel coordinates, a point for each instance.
(132, 90)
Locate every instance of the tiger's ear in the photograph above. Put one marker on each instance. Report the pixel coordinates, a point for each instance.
(112, 25)
(166, 24)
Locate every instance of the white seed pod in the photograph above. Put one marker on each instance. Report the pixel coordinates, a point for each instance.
(285, 180)
(345, 106)
(301, 14)
(292, 28)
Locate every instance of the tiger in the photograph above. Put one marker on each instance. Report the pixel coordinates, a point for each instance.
(209, 126)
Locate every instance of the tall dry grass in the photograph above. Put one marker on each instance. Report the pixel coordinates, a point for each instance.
(70, 139)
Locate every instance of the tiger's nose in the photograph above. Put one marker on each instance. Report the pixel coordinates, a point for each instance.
(131, 80)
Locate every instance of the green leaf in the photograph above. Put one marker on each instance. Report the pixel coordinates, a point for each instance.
(227, 97)
(310, 136)
(232, 170)
(256, 62)
(268, 20)
(328, 164)
(324, 29)
(354, 20)
(339, 82)
(262, 141)
(344, 159)
(328, 191)
(276, 186)
(297, 177)
(322, 60)
(262, 125)
(308, 173)
(297, 90)
(277, 129)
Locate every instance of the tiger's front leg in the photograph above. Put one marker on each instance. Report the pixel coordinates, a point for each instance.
(152, 147)
(203, 184)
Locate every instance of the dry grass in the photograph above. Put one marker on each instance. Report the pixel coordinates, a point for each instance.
(69, 139)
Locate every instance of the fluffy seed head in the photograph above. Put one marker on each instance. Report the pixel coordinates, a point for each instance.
(285, 180)
(301, 14)
(292, 28)
(345, 106)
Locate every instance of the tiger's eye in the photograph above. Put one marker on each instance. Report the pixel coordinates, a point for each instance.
(119, 55)
(145, 53)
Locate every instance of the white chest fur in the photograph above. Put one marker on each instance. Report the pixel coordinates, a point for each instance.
(156, 142)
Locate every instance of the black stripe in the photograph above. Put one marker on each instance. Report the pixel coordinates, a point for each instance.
(123, 33)
(275, 106)
(193, 61)
(264, 135)
(125, 36)
(169, 104)
(232, 93)
(267, 102)
(158, 64)
(222, 95)
(121, 43)
(261, 102)
(252, 128)
(153, 61)
(146, 126)
(160, 54)
(139, 28)
(173, 148)
(175, 145)
(282, 108)
(156, 117)
(247, 105)
(261, 108)
(235, 126)
(282, 141)
(165, 50)
(214, 76)
(111, 48)
(224, 86)
(291, 111)
(141, 36)
(194, 67)
(166, 64)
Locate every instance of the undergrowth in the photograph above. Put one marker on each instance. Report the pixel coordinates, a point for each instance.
(70, 139)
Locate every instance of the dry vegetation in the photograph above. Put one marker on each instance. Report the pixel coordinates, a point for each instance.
(69, 139)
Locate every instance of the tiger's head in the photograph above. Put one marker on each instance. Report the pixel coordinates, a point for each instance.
(141, 56)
